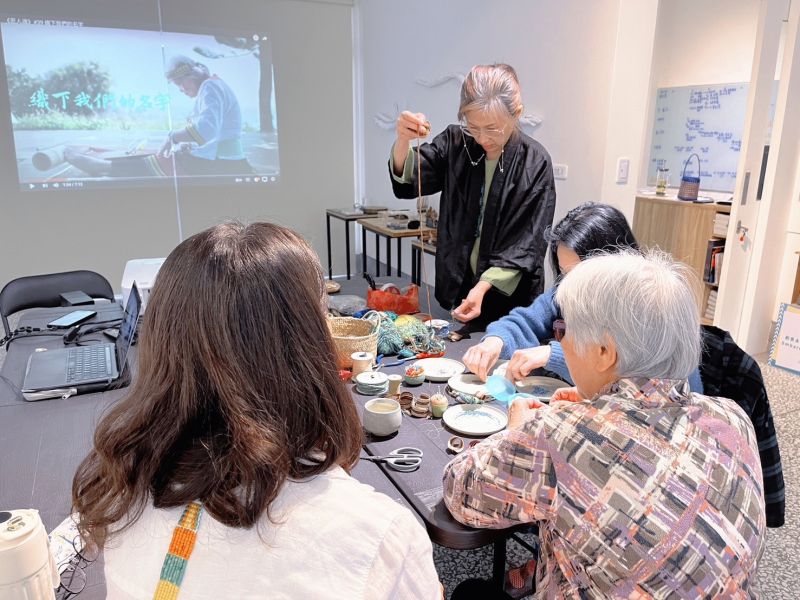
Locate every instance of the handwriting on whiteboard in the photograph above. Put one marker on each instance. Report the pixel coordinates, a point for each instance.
(705, 120)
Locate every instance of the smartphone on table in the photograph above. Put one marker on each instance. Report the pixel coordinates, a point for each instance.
(70, 319)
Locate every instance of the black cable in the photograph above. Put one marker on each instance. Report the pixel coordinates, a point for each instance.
(74, 335)
(17, 334)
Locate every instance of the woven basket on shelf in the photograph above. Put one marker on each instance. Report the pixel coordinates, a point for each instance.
(353, 335)
(690, 186)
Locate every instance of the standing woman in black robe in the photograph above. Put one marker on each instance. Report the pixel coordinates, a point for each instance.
(497, 197)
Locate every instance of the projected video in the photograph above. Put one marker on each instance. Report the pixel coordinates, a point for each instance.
(96, 106)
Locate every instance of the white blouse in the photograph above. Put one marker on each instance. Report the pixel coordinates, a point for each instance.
(334, 538)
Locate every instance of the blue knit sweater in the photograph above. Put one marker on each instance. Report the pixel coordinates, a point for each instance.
(529, 326)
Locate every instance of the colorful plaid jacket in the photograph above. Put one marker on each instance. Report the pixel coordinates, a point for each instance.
(730, 372)
(643, 492)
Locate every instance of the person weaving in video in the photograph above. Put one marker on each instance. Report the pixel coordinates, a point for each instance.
(209, 144)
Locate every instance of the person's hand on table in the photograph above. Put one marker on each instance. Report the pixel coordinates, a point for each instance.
(482, 357)
(524, 361)
(567, 394)
(521, 411)
(470, 307)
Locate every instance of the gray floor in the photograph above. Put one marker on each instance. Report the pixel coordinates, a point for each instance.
(779, 570)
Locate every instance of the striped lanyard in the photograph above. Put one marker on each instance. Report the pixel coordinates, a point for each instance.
(481, 208)
(180, 549)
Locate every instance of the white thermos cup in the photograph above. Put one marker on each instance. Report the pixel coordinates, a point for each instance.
(27, 568)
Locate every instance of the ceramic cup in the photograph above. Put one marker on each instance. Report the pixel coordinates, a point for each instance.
(394, 384)
(382, 416)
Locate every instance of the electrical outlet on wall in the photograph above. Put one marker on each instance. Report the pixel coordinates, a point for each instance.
(623, 167)
(560, 171)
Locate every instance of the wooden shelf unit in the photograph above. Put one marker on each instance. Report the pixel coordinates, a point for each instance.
(682, 229)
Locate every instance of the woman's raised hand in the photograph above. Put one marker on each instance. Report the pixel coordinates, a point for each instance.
(411, 126)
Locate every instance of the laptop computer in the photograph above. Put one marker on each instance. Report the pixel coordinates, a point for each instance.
(68, 371)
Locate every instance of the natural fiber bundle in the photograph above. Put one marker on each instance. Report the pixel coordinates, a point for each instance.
(389, 338)
(411, 329)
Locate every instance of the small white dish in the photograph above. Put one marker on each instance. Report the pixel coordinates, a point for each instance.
(475, 419)
(436, 323)
(466, 383)
(440, 369)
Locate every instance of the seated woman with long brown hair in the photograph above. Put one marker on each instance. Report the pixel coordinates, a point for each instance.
(238, 428)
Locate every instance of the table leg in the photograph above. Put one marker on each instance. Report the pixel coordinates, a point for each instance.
(414, 265)
(347, 245)
(377, 255)
(499, 562)
(330, 262)
(399, 257)
(363, 249)
(389, 256)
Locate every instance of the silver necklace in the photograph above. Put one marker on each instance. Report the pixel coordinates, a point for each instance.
(475, 163)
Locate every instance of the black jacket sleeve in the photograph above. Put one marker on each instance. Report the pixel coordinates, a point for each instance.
(433, 157)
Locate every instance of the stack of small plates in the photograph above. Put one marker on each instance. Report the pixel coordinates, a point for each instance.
(421, 407)
(372, 383)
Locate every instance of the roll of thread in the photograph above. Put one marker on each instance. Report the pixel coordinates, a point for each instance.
(394, 383)
(372, 390)
(372, 383)
(362, 361)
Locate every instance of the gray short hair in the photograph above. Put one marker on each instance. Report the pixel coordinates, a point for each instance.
(491, 88)
(646, 303)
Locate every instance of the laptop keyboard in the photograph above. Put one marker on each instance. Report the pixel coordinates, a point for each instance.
(89, 362)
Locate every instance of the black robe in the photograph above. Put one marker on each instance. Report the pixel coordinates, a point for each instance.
(519, 207)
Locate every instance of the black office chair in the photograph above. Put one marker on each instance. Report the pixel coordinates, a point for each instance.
(45, 291)
(728, 371)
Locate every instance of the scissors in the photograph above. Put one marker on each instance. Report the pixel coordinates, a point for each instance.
(404, 459)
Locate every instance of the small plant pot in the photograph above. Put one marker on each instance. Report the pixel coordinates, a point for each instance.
(414, 380)
(414, 376)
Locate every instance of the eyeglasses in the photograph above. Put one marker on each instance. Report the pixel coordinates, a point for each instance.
(73, 574)
(474, 132)
(559, 329)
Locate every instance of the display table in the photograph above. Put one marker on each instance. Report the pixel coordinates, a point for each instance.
(346, 215)
(380, 227)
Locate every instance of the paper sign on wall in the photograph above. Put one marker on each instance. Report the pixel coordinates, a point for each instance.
(785, 350)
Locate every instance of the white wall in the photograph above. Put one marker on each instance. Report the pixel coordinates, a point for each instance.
(704, 41)
(630, 92)
(312, 51)
(699, 42)
(562, 51)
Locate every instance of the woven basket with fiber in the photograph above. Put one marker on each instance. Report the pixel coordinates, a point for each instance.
(353, 335)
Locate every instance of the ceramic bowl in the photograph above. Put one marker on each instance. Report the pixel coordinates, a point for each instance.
(382, 416)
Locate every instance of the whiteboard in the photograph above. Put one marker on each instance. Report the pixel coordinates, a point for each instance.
(706, 120)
